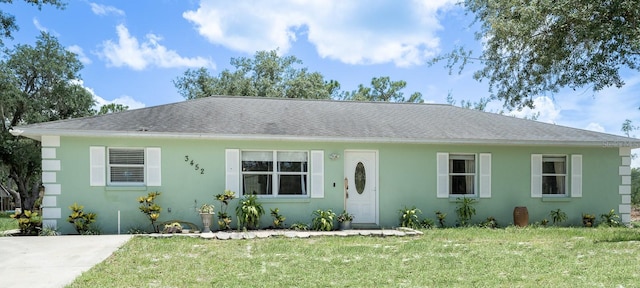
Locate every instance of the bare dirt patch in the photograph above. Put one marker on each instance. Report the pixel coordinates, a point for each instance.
(635, 213)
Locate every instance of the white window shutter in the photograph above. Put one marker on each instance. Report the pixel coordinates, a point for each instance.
(232, 168)
(576, 175)
(97, 168)
(485, 175)
(536, 175)
(317, 174)
(154, 169)
(442, 180)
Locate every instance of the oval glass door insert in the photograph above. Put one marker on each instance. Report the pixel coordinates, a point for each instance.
(360, 178)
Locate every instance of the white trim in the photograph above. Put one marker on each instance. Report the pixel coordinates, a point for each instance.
(624, 170)
(37, 133)
(49, 201)
(317, 173)
(442, 175)
(50, 141)
(625, 151)
(626, 199)
(576, 176)
(485, 175)
(153, 166)
(275, 174)
(625, 218)
(232, 170)
(624, 190)
(50, 165)
(49, 177)
(626, 161)
(51, 213)
(97, 166)
(48, 152)
(626, 180)
(536, 175)
(624, 208)
(52, 189)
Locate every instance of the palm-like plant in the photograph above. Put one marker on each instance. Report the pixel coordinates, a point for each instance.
(249, 212)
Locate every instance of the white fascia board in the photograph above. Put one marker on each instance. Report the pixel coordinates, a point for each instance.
(37, 133)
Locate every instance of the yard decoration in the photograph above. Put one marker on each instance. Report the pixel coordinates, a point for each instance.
(345, 220)
(520, 216)
(206, 214)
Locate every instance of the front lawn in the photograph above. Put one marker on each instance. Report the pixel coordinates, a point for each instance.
(6, 222)
(469, 257)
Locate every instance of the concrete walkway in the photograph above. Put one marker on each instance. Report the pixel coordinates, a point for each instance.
(251, 234)
(52, 261)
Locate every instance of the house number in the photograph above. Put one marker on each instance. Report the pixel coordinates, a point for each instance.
(193, 163)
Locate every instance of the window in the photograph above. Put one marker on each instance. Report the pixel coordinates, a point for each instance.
(462, 174)
(274, 173)
(126, 166)
(554, 175)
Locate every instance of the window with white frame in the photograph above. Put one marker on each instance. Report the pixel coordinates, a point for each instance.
(126, 166)
(554, 175)
(274, 173)
(462, 174)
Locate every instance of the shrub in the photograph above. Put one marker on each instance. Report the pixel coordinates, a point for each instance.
(441, 218)
(558, 216)
(323, 220)
(300, 226)
(409, 217)
(427, 223)
(224, 220)
(465, 210)
(611, 219)
(278, 219)
(80, 220)
(249, 212)
(29, 222)
(150, 208)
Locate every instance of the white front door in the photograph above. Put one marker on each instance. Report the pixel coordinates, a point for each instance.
(361, 173)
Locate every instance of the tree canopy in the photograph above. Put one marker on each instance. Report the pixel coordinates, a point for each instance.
(382, 89)
(270, 75)
(37, 84)
(8, 22)
(537, 47)
(266, 75)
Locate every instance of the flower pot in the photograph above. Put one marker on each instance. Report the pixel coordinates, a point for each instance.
(207, 220)
(520, 216)
(345, 225)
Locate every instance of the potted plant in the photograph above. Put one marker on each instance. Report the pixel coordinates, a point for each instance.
(588, 220)
(345, 220)
(206, 213)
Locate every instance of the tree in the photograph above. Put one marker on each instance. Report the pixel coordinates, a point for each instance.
(37, 84)
(382, 89)
(266, 75)
(8, 22)
(635, 186)
(111, 108)
(536, 47)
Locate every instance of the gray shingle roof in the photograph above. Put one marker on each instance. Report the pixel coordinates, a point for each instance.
(325, 120)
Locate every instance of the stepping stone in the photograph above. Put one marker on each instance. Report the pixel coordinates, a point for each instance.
(208, 235)
(236, 236)
(303, 234)
(223, 235)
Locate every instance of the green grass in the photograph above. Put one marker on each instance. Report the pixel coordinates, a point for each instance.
(6, 222)
(469, 257)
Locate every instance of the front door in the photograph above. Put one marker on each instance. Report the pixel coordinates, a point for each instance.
(361, 173)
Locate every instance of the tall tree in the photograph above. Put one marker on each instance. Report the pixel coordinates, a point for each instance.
(265, 75)
(37, 84)
(537, 47)
(382, 89)
(111, 108)
(8, 22)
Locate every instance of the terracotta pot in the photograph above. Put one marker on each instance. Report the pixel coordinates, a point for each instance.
(520, 216)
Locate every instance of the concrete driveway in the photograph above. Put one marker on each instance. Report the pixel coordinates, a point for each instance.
(52, 261)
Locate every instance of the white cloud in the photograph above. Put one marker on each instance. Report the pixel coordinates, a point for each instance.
(595, 127)
(128, 51)
(39, 26)
(81, 56)
(124, 100)
(104, 10)
(364, 32)
(545, 110)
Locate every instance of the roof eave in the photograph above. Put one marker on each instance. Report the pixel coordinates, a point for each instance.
(37, 133)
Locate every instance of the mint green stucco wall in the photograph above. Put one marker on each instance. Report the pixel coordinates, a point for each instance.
(407, 177)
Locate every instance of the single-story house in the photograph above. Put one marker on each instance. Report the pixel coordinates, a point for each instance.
(369, 158)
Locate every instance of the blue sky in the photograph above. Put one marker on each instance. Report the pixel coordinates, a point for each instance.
(132, 50)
